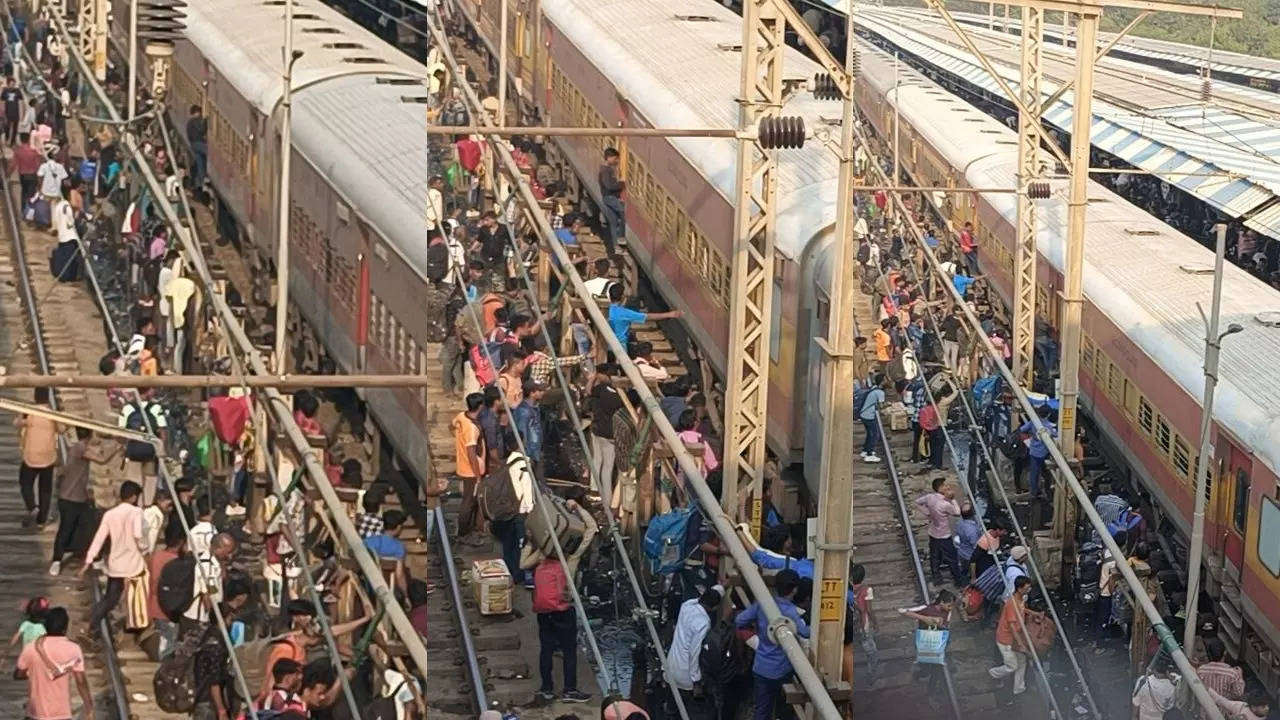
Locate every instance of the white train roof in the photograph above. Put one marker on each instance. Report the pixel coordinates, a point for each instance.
(685, 73)
(248, 35)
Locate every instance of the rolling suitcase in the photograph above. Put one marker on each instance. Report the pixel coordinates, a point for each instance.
(565, 524)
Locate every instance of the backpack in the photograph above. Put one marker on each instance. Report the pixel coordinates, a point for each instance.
(1127, 521)
(864, 253)
(550, 587)
(437, 262)
(176, 587)
(498, 493)
(252, 658)
(567, 526)
(139, 450)
(482, 358)
(437, 307)
(667, 539)
(723, 656)
(470, 320)
(1012, 447)
(175, 680)
(928, 418)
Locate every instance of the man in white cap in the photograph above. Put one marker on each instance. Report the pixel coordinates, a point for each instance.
(1015, 568)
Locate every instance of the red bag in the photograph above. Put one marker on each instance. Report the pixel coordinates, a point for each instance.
(928, 418)
(972, 603)
(550, 587)
(229, 416)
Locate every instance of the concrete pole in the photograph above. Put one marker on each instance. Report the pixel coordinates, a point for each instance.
(286, 156)
(991, 16)
(1077, 205)
(1212, 349)
(835, 504)
(132, 106)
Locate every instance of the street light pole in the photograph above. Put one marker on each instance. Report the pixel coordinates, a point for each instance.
(286, 155)
(1212, 350)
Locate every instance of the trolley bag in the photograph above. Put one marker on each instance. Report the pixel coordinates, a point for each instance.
(39, 212)
(931, 646)
(252, 658)
(64, 262)
(565, 524)
(174, 682)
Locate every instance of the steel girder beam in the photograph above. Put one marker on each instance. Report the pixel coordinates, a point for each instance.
(1024, 271)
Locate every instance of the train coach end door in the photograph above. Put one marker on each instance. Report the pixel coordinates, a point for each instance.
(1233, 517)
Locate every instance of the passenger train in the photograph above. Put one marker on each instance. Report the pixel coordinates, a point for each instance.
(358, 246)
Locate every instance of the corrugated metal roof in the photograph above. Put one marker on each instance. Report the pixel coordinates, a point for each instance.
(1173, 149)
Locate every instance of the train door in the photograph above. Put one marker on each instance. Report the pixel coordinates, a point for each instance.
(1234, 507)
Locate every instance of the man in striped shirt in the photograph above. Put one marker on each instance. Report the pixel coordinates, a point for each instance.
(1218, 675)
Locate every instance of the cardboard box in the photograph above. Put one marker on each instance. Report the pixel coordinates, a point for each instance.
(899, 418)
(493, 586)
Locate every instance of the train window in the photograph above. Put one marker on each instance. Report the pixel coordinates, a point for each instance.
(688, 244)
(1181, 458)
(1240, 508)
(1115, 380)
(1086, 356)
(1130, 399)
(1269, 535)
(1164, 435)
(1146, 416)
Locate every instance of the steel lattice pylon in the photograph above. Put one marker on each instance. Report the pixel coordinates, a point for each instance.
(93, 35)
(1024, 275)
(747, 374)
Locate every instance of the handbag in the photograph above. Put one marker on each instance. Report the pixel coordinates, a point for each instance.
(931, 646)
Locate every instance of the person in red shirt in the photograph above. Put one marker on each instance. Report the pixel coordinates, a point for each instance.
(26, 161)
(175, 544)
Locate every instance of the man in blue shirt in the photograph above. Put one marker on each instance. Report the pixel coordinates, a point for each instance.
(387, 544)
(621, 318)
(528, 419)
(771, 668)
(968, 532)
(1037, 451)
(868, 414)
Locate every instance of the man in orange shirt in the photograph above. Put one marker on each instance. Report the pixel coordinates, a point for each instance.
(884, 343)
(470, 451)
(302, 635)
(1008, 631)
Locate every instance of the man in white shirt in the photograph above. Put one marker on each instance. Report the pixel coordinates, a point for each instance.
(598, 286)
(51, 175)
(64, 221)
(692, 625)
(435, 204)
(208, 583)
(203, 532)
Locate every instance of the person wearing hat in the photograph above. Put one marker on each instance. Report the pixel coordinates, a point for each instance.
(771, 668)
(1015, 568)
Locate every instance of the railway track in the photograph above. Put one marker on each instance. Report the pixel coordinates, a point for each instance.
(35, 341)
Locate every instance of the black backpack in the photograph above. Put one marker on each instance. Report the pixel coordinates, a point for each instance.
(723, 656)
(138, 450)
(177, 586)
(175, 679)
(437, 262)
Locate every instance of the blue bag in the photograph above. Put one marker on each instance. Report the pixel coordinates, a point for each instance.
(931, 646)
(671, 538)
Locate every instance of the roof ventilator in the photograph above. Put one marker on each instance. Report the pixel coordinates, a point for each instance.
(1142, 232)
(322, 30)
(362, 60)
(344, 46)
(695, 18)
(397, 81)
(418, 99)
(1268, 318)
(1196, 269)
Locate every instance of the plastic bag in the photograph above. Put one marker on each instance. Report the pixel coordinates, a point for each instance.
(931, 646)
